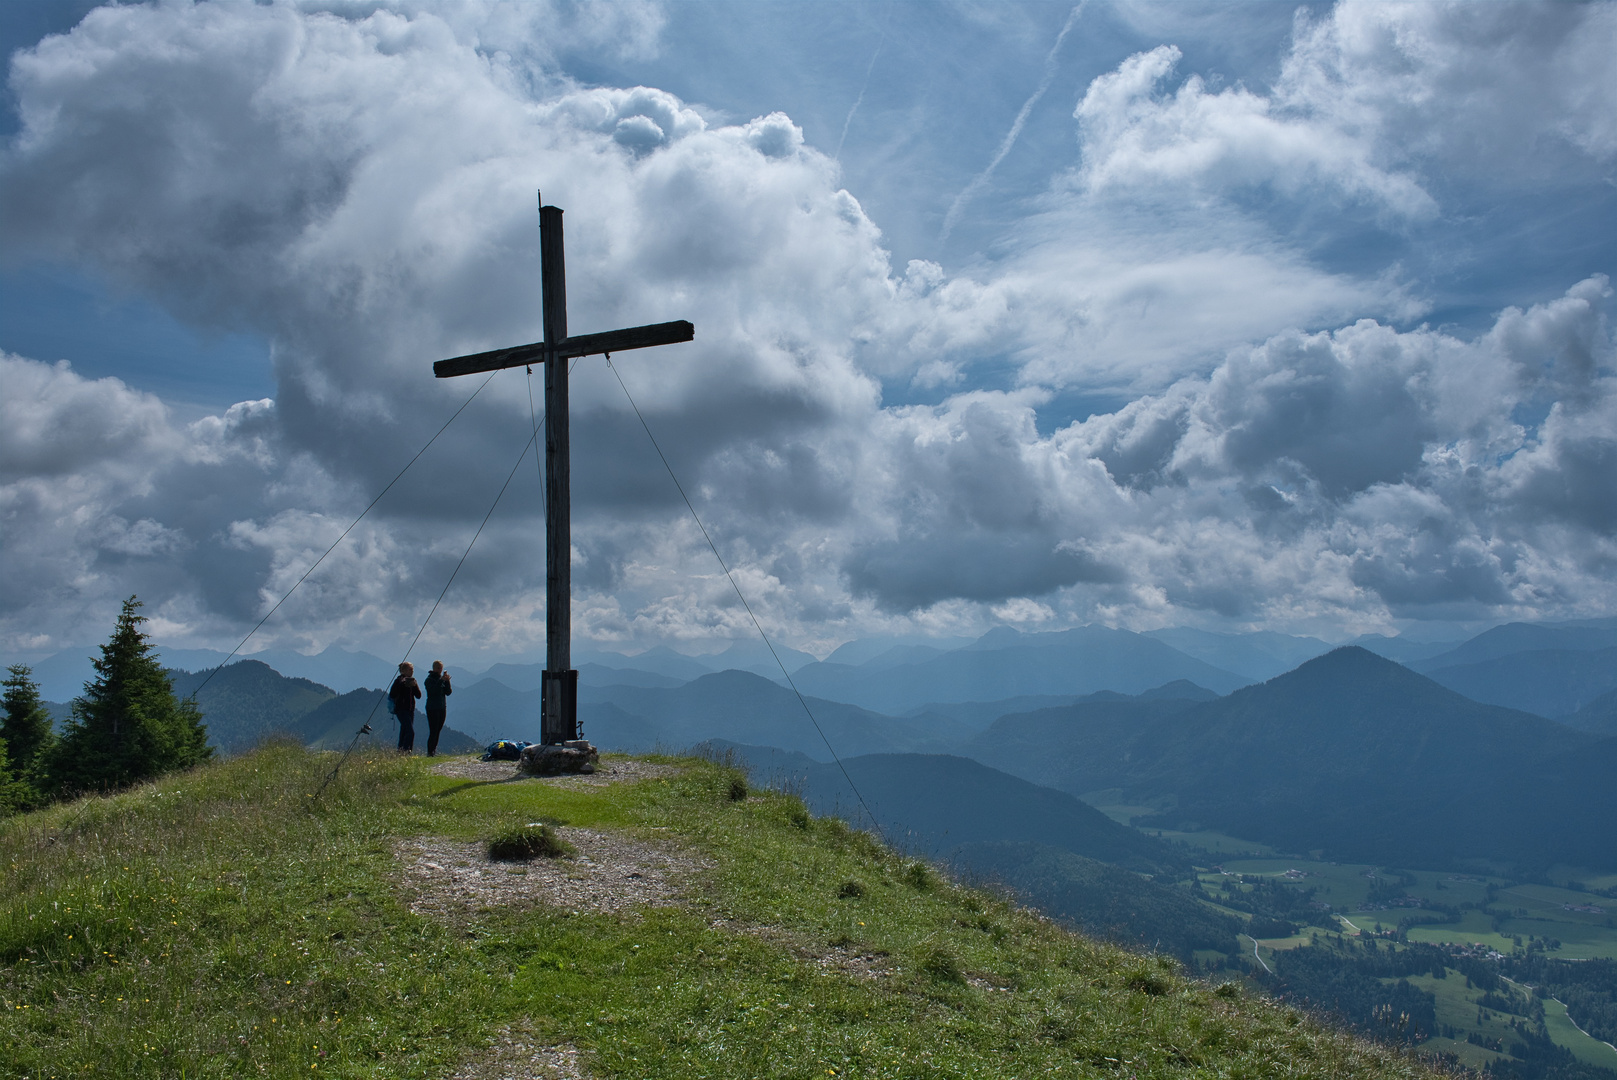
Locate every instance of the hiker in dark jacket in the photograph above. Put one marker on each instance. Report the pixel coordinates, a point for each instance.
(438, 688)
(404, 692)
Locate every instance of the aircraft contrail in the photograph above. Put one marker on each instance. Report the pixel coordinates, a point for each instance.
(981, 180)
(846, 124)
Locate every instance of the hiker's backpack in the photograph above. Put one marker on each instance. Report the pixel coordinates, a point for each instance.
(503, 750)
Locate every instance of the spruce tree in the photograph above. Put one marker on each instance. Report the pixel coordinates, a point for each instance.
(128, 726)
(27, 734)
(15, 796)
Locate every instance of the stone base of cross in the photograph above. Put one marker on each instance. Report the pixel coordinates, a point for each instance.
(559, 683)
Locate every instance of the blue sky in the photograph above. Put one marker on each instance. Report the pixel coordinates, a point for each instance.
(1262, 316)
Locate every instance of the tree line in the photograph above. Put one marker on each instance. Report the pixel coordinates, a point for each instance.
(126, 727)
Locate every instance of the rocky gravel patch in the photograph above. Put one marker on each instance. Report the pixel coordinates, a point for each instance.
(517, 1053)
(607, 772)
(450, 879)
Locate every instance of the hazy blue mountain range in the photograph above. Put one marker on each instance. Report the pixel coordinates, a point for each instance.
(1351, 753)
(743, 708)
(979, 714)
(1264, 654)
(735, 705)
(747, 708)
(904, 649)
(661, 661)
(1006, 663)
(1550, 682)
(760, 659)
(1403, 650)
(1258, 656)
(1026, 668)
(1598, 717)
(527, 676)
(62, 677)
(1512, 638)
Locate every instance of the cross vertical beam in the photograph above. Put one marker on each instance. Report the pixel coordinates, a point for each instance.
(559, 681)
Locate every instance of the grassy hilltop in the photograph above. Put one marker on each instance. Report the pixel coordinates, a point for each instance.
(235, 921)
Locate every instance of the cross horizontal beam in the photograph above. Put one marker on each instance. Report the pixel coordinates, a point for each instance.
(635, 337)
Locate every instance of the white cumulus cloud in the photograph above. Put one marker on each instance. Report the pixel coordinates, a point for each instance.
(357, 184)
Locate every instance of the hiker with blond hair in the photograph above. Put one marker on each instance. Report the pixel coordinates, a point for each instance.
(438, 688)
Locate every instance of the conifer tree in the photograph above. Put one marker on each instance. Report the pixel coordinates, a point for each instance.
(128, 726)
(15, 796)
(27, 734)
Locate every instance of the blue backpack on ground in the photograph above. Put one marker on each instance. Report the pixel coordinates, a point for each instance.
(504, 750)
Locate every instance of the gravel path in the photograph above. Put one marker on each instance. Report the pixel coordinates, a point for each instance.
(608, 772)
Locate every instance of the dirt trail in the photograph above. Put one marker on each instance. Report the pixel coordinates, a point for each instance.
(452, 880)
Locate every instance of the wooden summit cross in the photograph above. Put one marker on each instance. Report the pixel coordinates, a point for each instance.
(559, 682)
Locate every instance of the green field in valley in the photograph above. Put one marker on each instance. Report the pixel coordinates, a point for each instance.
(1586, 1049)
(1387, 906)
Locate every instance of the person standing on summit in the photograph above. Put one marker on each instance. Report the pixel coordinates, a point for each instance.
(438, 688)
(403, 693)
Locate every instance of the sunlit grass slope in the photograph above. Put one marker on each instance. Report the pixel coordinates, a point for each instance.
(231, 922)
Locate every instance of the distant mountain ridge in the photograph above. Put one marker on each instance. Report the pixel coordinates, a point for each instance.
(1258, 656)
(1250, 657)
(1519, 638)
(1006, 663)
(1350, 752)
(1553, 683)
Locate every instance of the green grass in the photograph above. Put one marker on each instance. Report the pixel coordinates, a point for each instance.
(1474, 928)
(1457, 1007)
(231, 923)
(1585, 1048)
